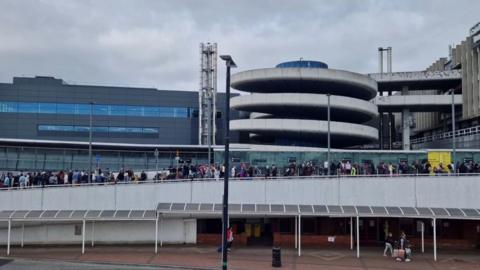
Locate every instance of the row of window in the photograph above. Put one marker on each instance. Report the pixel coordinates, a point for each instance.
(97, 109)
(68, 128)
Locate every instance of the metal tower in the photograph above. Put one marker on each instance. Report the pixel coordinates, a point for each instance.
(207, 95)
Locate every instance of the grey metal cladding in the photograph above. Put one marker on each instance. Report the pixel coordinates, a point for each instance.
(171, 130)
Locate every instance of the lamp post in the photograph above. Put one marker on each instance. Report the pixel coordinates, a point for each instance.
(328, 132)
(90, 130)
(229, 63)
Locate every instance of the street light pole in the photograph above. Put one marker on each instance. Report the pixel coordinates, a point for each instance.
(328, 132)
(229, 63)
(90, 130)
(454, 150)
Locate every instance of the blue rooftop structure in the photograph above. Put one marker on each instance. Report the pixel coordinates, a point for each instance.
(302, 64)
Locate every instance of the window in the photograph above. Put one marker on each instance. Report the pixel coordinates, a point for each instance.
(97, 109)
(101, 110)
(82, 109)
(47, 107)
(8, 107)
(134, 111)
(102, 129)
(25, 107)
(65, 108)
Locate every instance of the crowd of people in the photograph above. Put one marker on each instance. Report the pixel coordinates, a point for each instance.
(240, 171)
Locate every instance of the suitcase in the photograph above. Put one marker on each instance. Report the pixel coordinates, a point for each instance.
(398, 253)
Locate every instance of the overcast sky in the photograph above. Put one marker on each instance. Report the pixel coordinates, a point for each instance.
(156, 43)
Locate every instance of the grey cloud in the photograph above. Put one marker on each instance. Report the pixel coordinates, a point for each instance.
(155, 43)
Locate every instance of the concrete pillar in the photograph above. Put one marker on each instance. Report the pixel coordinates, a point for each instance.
(156, 235)
(358, 236)
(161, 230)
(296, 232)
(83, 237)
(93, 233)
(423, 237)
(434, 223)
(391, 126)
(405, 123)
(351, 233)
(23, 234)
(465, 93)
(475, 83)
(299, 236)
(468, 69)
(9, 236)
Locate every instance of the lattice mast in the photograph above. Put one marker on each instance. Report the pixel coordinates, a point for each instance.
(207, 95)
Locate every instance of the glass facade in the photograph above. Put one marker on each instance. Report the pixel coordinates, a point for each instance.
(98, 129)
(56, 159)
(98, 109)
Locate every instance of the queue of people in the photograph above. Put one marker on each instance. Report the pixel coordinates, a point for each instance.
(240, 171)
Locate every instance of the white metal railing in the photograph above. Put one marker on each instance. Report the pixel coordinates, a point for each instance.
(256, 178)
(447, 135)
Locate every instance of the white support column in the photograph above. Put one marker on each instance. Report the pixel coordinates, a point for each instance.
(93, 233)
(299, 235)
(296, 232)
(405, 123)
(23, 234)
(83, 237)
(156, 235)
(351, 233)
(358, 236)
(8, 235)
(161, 230)
(423, 237)
(434, 239)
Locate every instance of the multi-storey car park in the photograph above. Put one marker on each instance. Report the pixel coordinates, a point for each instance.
(288, 105)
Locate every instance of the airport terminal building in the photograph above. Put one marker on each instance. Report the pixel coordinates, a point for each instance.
(46, 125)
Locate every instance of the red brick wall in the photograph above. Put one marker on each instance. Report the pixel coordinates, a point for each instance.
(216, 239)
(288, 240)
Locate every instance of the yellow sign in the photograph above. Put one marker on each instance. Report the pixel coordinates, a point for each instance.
(437, 157)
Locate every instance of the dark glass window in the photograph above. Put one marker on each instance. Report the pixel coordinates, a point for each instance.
(67, 128)
(97, 109)
(65, 108)
(101, 110)
(47, 107)
(24, 107)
